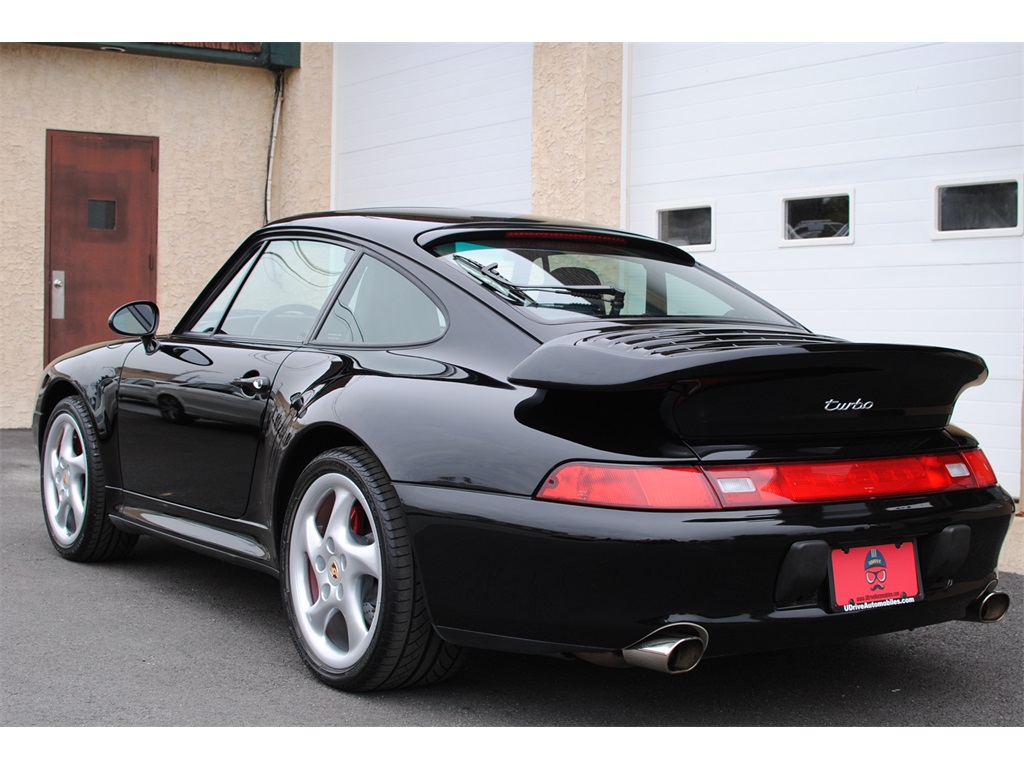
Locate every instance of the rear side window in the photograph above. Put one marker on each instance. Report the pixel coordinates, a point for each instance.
(380, 305)
(556, 280)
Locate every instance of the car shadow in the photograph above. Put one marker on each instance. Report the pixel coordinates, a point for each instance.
(900, 679)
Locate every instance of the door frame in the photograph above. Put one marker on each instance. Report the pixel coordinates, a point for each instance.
(51, 135)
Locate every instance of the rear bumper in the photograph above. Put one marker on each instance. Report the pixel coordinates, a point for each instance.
(515, 574)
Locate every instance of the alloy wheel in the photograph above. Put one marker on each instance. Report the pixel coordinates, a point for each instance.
(65, 479)
(335, 570)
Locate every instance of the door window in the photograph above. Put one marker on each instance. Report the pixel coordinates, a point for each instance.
(280, 297)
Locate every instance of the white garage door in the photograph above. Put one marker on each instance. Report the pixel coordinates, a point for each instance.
(871, 190)
(432, 125)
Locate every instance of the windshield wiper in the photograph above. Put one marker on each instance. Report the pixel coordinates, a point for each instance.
(617, 300)
(492, 277)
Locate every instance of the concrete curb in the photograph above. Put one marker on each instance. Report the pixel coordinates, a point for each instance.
(1011, 559)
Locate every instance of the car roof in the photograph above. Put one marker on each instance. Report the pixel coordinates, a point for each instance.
(419, 218)
(403, 228)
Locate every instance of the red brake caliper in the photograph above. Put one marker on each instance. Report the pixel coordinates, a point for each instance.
(357, 521)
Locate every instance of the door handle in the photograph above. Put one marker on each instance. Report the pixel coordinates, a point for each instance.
(57, 295)
(254, 386)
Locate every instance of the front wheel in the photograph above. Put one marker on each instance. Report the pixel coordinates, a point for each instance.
(351, 594)
(73, 487)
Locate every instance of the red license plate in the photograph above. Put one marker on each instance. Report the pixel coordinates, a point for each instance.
(874, 577)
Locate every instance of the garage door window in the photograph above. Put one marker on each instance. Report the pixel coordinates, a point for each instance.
(819, 219)
(688, 227)
(978, 209)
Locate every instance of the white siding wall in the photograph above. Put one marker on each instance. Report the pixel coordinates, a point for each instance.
(432, 125)
(744, 125)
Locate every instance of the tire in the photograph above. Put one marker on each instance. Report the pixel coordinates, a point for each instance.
(73, 488)
(351, 593)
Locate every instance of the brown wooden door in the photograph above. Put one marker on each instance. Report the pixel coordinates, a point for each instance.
(101, 224)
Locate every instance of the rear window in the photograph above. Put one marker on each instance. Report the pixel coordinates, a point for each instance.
(562, 280)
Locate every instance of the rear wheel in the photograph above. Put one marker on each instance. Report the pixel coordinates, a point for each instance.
(353, 600)
(73, 487)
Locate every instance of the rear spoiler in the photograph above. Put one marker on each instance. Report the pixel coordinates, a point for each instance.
(747, 381)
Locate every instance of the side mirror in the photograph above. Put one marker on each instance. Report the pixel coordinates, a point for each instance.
(139, 318)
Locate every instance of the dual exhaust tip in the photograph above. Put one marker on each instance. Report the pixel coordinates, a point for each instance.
(678, 648)
(990, 607)
(673, 649)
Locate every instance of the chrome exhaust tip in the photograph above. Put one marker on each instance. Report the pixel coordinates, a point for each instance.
(990, 607)
(673, 649)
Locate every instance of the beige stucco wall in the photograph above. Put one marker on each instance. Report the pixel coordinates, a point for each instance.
(577, 131)
(302, 172)
(213, 123)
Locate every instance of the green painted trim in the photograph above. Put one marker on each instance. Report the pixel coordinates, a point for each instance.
(282, 55)
(272, 56)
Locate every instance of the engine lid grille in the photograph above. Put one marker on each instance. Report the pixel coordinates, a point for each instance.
(673, 340)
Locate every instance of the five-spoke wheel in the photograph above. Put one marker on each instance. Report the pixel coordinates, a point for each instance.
(73, 487)
(65, 479)
(334, 565)
(351, 593)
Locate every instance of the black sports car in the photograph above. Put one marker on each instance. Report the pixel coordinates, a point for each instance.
(446, 429)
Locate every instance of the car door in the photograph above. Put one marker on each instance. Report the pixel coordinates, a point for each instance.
(191, 413)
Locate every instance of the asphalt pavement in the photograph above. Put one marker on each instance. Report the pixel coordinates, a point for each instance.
(169, 637)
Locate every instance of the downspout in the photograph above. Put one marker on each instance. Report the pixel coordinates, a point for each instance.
(275, 122)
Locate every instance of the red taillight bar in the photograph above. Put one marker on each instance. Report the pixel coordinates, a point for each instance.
(764, 485)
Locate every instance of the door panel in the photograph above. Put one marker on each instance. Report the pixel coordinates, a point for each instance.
(189, 419)
(101, 226)
(190, 413)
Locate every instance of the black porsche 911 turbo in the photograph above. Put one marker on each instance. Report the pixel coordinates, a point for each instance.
(445, 429)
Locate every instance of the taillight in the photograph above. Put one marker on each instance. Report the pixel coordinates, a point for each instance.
(636, 487)
(764, 485)
(982, 470)
(841, 480)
